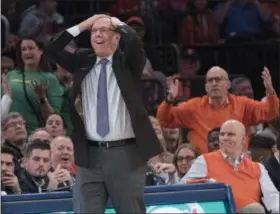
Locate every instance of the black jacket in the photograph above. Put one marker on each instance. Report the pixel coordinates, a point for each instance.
(28, 184)
(128, 67)
(273, 168)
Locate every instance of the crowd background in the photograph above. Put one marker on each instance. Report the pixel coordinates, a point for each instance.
(182, 40)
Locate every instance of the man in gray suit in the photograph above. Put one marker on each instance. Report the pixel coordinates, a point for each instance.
(112, 134)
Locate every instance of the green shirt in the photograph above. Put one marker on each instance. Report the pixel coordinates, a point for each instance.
(20, 102)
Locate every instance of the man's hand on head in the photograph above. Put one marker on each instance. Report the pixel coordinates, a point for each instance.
(87, 24)
(116, 22)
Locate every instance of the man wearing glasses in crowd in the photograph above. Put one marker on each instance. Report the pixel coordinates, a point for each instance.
(201, 115)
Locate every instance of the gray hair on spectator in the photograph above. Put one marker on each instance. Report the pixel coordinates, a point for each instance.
(236, 81)
(35, 131)
(11, 115)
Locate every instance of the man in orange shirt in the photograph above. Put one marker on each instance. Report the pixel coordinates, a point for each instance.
(249, 180)
(202, 114)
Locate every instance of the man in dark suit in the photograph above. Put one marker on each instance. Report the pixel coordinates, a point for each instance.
(112, 134)
(273, 166)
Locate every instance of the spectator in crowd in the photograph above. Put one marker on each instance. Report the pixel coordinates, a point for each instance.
(35, 177)
(62, 153)
(14, 135)
(153, 57)
(200, 115)
(66, 80)
(173, 139)
(41, 20)
(40, 134)
(261, 148)
(273, 166)
(249, 180)
(182, 161)
(7, 64)
(9, 181)
(213, 139)
(8, 9)
(199, 27)
(36, 92)
(241, 86)
(272, 128)
(244, 19)
(55, 125)
(165, 157)
(189, 65)
(6, 100)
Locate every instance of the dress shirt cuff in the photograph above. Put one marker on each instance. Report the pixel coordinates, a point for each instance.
(6, 103)
(74, 31)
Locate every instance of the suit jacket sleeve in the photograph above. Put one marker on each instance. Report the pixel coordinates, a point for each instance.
(133, 50)
(55, 51)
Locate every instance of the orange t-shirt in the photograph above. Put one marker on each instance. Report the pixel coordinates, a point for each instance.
(244, 182)
(200, 117)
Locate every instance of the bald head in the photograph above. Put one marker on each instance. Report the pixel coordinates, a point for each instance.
(236, 125)
(62, 152)
(217, 83)
(61, 138)
(217, 71)
(232, 138)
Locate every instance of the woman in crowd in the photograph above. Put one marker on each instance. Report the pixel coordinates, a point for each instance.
(36, 92)
(182, 162)
(55, 125)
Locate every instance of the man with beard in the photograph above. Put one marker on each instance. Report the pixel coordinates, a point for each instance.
(35, 177)
(14, 135)
(172, 139)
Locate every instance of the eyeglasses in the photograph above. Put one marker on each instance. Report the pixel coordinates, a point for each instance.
(187, 158)
(14, 124)
(216, 79)
(101, 30)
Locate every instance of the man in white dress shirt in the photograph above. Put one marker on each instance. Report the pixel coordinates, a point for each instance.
(230, 159)
(112, 134)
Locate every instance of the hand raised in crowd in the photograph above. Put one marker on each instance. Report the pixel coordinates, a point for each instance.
(40, 88)
(9, 179)
(173, 89)
(5, 85)
(164, 168)
(267, 81)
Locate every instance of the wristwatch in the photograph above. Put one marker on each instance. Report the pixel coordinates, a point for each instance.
(42, 101)
(170, 102)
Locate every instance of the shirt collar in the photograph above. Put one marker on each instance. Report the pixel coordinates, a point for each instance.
(110, 59)
(210, 101)
(235, 162)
